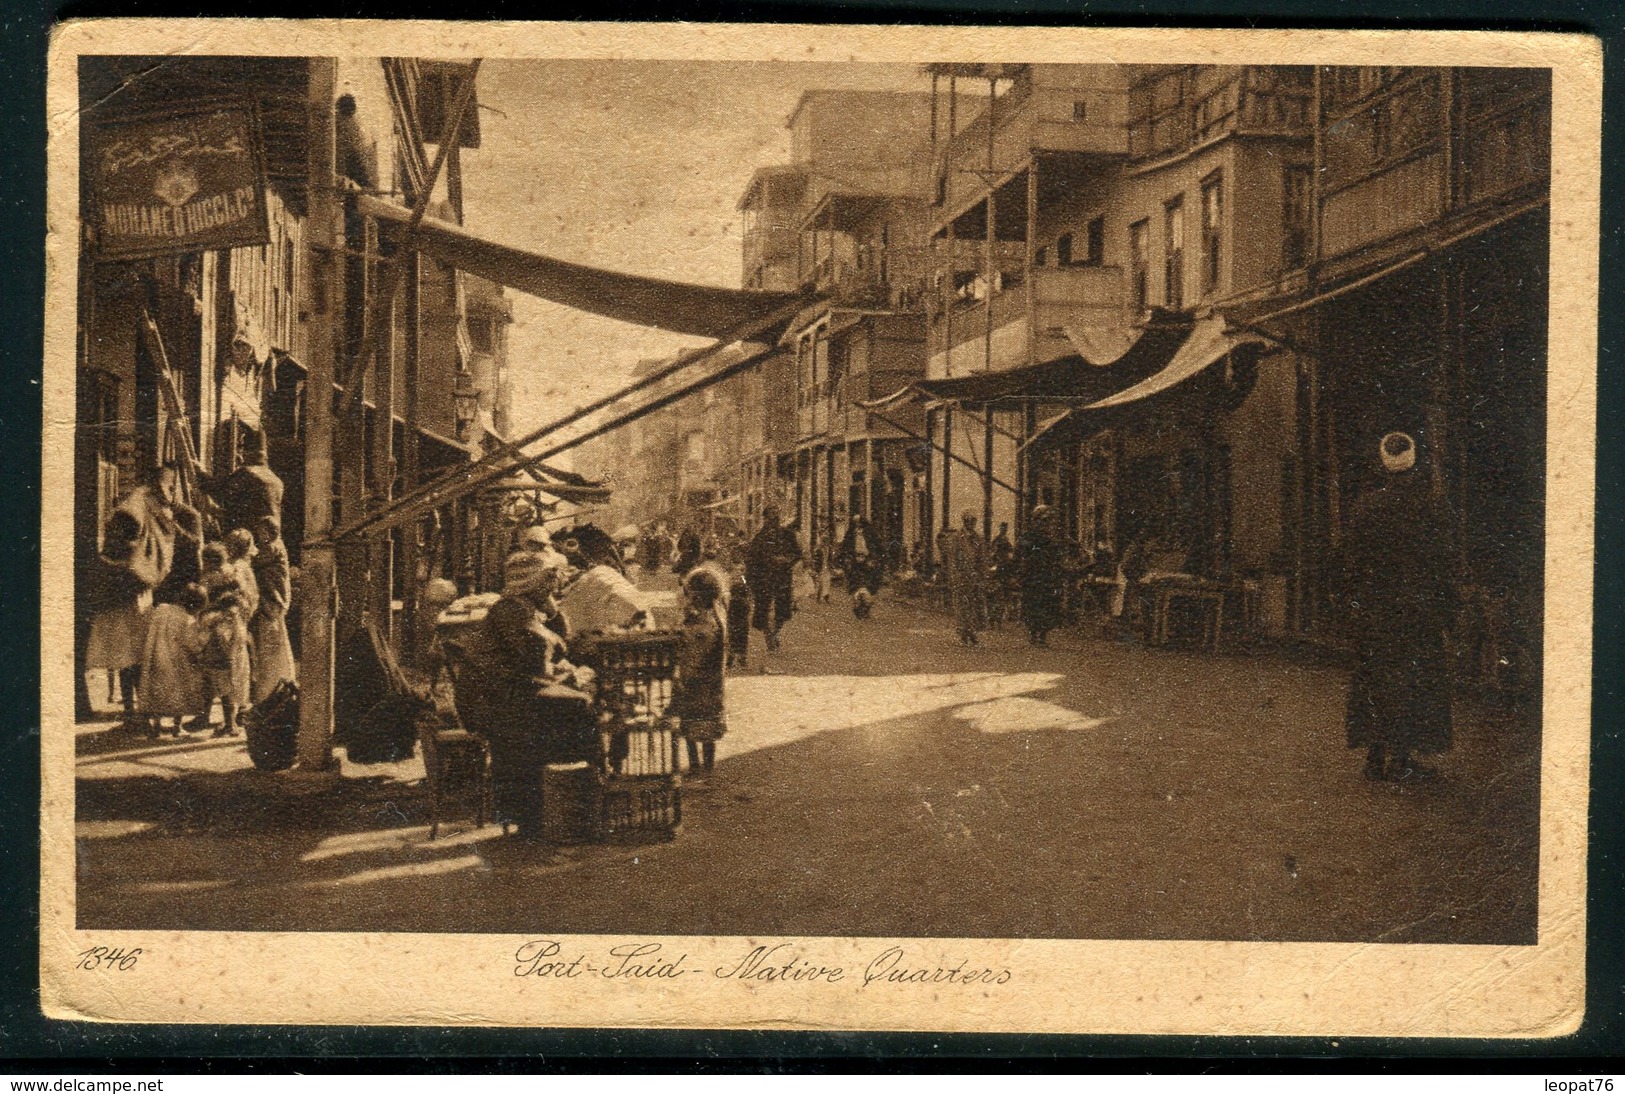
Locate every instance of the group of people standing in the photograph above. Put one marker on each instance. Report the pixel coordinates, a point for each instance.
(984, 575)
(191, 606)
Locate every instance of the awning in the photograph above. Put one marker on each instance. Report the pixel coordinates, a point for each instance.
(1209, 344)
(1076, 376)
(647, 301)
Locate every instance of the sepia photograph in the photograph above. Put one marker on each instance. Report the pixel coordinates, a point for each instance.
(904, 502)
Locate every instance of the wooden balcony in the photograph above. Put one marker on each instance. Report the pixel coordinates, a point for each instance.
(1061, 297)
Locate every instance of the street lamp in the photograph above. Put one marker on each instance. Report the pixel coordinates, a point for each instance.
(466, 401)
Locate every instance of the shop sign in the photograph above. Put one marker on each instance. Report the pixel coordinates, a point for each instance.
(179, 182)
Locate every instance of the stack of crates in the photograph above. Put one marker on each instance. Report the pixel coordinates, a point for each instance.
(641, 795)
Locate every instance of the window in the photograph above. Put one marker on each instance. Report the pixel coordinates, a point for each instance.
(1041, 256)
(1063, 250)
(287, 266)
(1173, 262)
(1294, 216)
(1096, 253)
(1080, 110)
(1212, 231)
(1139, 241)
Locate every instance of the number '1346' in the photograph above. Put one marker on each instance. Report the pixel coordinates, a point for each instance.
(106, 957)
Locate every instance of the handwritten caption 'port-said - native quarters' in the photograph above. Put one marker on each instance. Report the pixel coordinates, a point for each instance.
(1085, 501)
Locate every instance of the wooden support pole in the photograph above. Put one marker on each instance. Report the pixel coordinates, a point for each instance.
(412, 350)
(928, 534)
(353, 569)
(383, 471)
(987, 473)
(318, 590)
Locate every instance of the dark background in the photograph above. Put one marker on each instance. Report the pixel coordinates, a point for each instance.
(30, 1043)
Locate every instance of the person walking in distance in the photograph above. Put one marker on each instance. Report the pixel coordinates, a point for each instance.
(769, 561)
(1041, 567)
(1400, 571)
(965, 558)
(859, 556)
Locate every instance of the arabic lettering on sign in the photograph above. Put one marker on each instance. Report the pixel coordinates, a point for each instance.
(186, 182)
(124, 154)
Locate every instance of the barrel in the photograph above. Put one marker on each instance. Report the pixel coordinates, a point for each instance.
(569, 802)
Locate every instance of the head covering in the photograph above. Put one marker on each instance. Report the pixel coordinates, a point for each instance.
(535, 538)
(967, 517)
(239, 543)
(704, 584)
(254, 447)
(1398, 451)
(1042, 511)
(525, 572)
(439, 593)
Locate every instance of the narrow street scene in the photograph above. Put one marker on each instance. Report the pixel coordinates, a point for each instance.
(1007, 501)
(881, 780)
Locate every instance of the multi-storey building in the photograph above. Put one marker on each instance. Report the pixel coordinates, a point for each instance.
(1427, 305)
(183, 352)
(845, 219)
(1093, 224)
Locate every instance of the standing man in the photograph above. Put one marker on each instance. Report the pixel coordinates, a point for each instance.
(1400, 581)
(769, 560)
(965, 558)
(252, 492)
(273, 654)
(689, 549)
(1041, 564)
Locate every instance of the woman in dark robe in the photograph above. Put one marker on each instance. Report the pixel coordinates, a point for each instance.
(518, 690)
(1400, 581)
(1041, 568)
(770, 559)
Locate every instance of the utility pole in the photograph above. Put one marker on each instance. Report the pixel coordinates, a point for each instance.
(318, 588)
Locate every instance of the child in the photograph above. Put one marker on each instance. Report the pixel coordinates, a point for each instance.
(172, 682)
(698, 702)
(224, 655)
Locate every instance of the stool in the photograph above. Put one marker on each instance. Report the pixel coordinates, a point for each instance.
(454, 762)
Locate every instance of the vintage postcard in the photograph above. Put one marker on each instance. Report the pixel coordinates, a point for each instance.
(834, 527)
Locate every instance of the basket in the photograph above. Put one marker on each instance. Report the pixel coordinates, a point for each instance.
(640, 792)
(639, 808)
(636, 672)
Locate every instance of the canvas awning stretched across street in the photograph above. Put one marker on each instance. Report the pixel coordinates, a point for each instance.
(675, 306)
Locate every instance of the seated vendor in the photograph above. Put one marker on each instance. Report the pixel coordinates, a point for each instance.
(519, 691)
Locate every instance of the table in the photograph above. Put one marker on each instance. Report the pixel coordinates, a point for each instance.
(1208, 596)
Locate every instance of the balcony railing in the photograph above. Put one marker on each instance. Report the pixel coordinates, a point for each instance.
(1065, 296)
(1175, 115)
(1086, 119)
